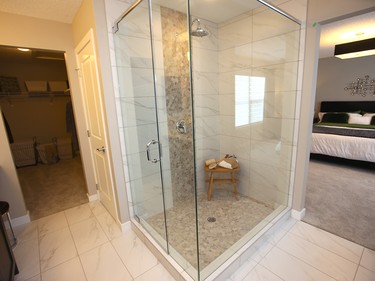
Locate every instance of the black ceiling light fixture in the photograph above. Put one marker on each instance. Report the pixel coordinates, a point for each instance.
(355, 49)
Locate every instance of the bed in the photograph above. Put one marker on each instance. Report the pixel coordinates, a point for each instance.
(346, 129)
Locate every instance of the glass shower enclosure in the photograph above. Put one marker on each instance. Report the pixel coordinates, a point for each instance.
(199, 80)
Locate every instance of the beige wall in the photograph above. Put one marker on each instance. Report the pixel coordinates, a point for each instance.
(319, 11)
(44, 34)
(10, 189)
(92, 15)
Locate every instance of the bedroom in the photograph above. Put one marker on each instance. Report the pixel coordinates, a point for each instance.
(340, 192)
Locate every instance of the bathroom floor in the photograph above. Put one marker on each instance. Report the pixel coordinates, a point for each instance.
(232, 220)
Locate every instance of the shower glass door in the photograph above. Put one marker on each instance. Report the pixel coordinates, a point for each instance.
(141, 98)
(152, 53)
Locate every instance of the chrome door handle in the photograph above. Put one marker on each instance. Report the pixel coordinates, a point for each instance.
(101, 149)
(148, 151)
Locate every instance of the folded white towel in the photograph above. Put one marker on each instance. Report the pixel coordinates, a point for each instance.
(225, 164)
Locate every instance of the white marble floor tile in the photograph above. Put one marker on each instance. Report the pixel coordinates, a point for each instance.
(68, 271)
(97, 208)
(244, 270)
(135, 255)
(259, 273)
(291, 268)
(52, 223)
(55, 248)
(364, 274)
(109, 225)
(158, 272)
(326, 240)
(327, 262)
(87, 235)
(78, 214)
(103, 263)
(368, 259)
(27, 231)
(27, 259)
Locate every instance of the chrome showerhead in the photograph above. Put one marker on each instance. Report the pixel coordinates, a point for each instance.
(199, 32)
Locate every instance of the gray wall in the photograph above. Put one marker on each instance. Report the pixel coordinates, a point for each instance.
(335, 74)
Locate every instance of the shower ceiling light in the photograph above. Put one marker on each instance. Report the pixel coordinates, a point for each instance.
(355, 49)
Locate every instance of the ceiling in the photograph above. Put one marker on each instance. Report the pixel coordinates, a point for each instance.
(56, 10)
(352, 29)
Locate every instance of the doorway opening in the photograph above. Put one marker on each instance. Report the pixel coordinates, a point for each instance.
(38, 114)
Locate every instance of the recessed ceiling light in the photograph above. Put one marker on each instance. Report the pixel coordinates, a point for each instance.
(23, 49)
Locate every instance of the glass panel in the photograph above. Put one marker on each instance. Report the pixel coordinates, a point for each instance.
(137, 95)
(244, 88)
(171, 49)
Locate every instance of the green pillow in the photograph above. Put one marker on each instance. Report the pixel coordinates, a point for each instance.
(331, 117)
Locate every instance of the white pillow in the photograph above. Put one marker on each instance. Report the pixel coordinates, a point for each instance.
(364, 120)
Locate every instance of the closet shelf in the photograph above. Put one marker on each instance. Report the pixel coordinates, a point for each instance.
(27, 95)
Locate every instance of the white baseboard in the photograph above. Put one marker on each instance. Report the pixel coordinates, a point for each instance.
(92, 197)
(126, 226)
(21, 220)
(298, 215)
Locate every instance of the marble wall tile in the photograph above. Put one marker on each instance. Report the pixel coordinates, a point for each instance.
(206, 105)
(25, 254)
(136, 24)
(227, 105)
(133, 52)
(205, 83)
(235, 145)
(205, 60)
(276, 50)
(87, 235)
(134, 254)
(264, 25)
(207, 127)
(55, 248)
(209, 42)
(272, 153)
(239, 57)
(229, 128)
(103, 263)
(236, 33)
(70, 270)
(280, 77)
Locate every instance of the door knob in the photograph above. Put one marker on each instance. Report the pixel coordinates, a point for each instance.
(101, 149)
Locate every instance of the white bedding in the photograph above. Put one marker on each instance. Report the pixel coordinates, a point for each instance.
(354, 148)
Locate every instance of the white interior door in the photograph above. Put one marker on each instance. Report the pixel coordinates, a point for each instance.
(92, 97)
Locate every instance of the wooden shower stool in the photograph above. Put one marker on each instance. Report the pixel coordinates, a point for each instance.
(222, 170)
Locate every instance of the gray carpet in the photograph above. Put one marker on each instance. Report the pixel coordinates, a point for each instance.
(49, 189)
(341, 200)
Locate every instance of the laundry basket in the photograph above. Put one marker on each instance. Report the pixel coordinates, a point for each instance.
(24, 153)
(48, 153)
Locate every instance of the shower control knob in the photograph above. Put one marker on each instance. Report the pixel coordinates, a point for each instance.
(181, 127)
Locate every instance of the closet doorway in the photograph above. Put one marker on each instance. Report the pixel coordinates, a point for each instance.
(38, 114)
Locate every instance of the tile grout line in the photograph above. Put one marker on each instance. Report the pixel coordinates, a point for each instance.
(359, 264)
